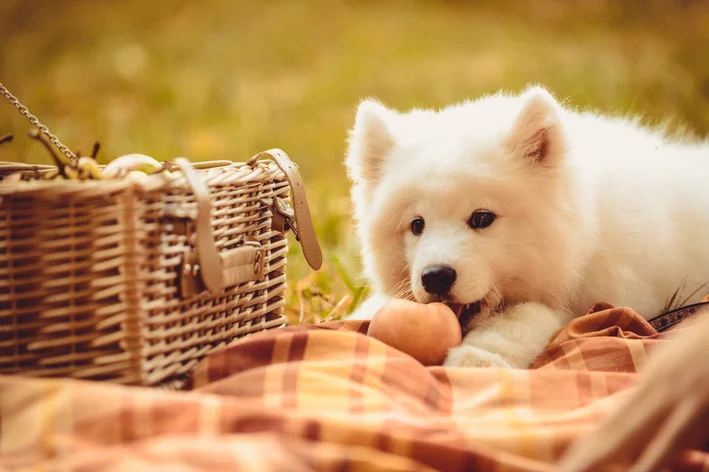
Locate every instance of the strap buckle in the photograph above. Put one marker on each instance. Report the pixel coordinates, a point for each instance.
(298, 217)
(283, 216)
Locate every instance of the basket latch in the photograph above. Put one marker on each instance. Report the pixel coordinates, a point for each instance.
(245, 263)
(207, 267)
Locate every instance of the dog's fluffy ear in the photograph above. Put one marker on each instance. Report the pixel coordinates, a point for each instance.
(536, 133)
(370, 142)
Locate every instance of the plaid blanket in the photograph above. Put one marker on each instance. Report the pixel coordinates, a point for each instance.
(327, 397)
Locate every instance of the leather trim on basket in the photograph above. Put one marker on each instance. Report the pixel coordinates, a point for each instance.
(305, 232)
(210, 265)
(238, 265)
(209, 268)
(215, 270)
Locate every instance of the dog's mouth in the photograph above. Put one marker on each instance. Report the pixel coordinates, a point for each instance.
(471, 314)
(467, 313)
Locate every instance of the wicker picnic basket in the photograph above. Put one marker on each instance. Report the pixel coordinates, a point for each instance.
(135, 281)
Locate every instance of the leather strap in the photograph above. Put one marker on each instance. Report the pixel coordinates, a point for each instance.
(305, 232)
(207, 253)
(209, 268)
(214, 270)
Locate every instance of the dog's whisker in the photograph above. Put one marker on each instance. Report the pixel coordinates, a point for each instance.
(399, 289)
(402, 289)
(400, 222)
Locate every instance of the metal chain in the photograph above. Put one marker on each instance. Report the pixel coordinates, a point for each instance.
(42, 129)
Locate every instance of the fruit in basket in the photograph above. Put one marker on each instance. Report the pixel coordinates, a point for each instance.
(123, 165)
(89, 169)
(134, 167)
(425, 332)
(85, 168)
(135, 176)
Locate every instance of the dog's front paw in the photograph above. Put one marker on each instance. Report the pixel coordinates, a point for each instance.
(469, 356)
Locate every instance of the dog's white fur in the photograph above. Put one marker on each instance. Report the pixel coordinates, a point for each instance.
(589, 209)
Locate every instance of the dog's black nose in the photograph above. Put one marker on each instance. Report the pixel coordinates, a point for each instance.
(438, 279)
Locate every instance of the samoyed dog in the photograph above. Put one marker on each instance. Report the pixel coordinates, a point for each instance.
(520, 213)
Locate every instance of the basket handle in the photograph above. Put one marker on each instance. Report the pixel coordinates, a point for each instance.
(217, 270)
(304, 230)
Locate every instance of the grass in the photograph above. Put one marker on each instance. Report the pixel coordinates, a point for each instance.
(224, 79)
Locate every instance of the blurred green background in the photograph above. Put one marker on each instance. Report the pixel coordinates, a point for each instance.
(225, 79)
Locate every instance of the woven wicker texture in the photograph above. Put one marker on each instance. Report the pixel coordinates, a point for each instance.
(89, 274)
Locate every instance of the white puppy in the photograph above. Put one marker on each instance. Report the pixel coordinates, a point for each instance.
(521, 213)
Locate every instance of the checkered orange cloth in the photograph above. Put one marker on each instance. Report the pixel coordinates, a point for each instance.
(329, 398)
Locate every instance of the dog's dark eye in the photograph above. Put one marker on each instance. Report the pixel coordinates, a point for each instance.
(417, 226)
(481, 219)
